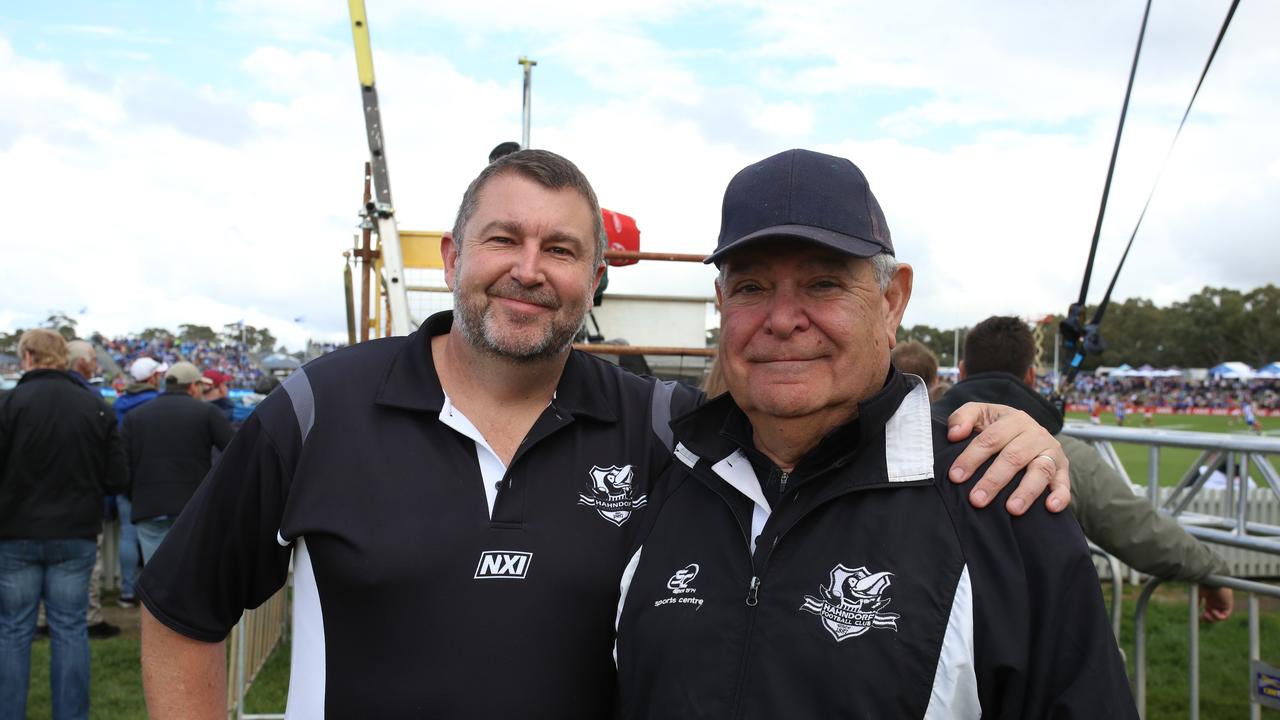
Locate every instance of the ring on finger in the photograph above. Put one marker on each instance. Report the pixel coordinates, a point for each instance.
(1049, 457)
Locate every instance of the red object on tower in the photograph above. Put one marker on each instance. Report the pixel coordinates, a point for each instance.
(622, 233)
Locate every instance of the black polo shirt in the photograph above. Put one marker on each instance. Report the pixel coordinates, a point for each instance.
(411, 599)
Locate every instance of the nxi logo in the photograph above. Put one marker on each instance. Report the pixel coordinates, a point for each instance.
(503, 564)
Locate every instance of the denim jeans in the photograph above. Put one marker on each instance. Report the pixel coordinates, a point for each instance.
(57, 571)
(130, 550)
(151, 533)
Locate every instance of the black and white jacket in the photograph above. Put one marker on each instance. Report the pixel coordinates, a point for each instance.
(872, 590)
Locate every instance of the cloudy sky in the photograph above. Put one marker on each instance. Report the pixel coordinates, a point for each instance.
(200, 161)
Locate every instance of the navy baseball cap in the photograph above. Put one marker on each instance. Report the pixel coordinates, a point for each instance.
(803, 195)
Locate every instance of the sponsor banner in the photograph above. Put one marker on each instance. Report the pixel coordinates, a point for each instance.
(1264, 687)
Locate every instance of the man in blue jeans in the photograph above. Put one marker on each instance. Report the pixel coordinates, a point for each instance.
(59, 455)
(147, 374)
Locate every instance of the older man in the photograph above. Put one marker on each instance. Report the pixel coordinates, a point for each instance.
(458, 504)
(59, 454)
(808, 562)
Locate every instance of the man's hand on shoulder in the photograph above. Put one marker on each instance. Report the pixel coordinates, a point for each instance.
(1022, 444)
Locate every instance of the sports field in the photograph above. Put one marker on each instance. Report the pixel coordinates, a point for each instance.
(1174, 461)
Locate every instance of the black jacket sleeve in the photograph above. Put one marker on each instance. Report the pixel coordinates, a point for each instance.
(1045, 648)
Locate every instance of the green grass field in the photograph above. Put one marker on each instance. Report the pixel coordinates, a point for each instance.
(117, 686)
(1173, 461)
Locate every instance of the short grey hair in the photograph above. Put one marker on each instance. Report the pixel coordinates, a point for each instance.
(78, 350)
(883, 266)
(548, 170)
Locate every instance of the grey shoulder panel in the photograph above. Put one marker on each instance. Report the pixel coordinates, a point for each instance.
(298, 387)
(660, 410)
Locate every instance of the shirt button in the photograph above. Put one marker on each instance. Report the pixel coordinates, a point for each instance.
(497, 485)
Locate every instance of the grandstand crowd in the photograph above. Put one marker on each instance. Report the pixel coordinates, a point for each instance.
(1177, 395)
(233, 359)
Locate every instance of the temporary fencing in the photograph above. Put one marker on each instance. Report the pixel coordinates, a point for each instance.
(1241, 523)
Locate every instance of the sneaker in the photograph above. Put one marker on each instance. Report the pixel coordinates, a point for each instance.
(127, 602)
(103, 630)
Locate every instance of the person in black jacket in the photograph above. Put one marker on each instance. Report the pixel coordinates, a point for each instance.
(999, 366)
(59, 455)
(169, 443)
(810, 561)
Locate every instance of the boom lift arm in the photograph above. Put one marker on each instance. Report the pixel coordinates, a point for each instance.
(380, 208)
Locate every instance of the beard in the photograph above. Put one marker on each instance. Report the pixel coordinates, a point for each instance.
(518, 341)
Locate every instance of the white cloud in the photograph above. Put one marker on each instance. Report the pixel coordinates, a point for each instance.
(155, 199)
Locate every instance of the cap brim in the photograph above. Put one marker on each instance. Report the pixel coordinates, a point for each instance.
(847, 244)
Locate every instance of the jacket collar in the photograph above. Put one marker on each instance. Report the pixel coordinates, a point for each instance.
(1006, 389)
(46, 374)
(899, 412)
(411, 381)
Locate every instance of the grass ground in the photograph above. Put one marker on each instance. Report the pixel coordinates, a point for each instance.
(1224, 663)
(117, 686)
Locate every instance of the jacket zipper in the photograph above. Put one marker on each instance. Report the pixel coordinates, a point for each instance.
(753, 593)
(753, 589)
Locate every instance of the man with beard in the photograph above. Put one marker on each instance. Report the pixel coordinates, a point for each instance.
(458, 504)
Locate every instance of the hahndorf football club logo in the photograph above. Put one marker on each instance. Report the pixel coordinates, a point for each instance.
(609, 492)
(851, 604)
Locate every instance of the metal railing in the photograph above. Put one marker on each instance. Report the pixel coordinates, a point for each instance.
(1232, 527)
(251, 642)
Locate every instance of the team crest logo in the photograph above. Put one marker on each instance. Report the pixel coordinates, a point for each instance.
(851, 604)
(679, 583)
(609, 492)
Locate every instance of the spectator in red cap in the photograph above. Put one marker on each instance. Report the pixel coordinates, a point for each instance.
(217, 385)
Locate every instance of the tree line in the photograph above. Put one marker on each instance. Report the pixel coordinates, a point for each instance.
(1212, 326)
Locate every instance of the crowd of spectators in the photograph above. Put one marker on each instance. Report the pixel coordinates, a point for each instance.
(124, 350)
(1175, 394)
(231, 358)
(316, 349)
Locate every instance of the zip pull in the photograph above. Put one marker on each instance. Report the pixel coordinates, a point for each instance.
(753, 592)
(782, 481)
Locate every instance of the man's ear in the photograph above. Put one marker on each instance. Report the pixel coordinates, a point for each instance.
(599, 274)
(896, 297)
(449, 251)
(964, 373)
